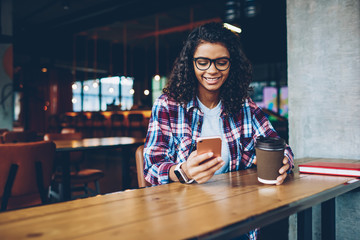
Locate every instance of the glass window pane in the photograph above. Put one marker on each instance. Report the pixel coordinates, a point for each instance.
(127, 93)
(76, 87)
(76, 101)
(76, 98)
(91, 95)
(109, 92)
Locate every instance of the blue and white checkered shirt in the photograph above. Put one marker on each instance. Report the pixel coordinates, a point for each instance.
(174, 129)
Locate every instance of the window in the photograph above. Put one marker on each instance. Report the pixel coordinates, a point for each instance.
(76, 100)
(109, 92)
(97, 94)
(127, 93)
(158, 83)
(91, 95)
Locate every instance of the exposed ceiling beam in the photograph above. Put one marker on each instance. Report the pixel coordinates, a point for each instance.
(181, 28)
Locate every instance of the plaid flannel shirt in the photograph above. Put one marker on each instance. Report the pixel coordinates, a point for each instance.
(174, 129)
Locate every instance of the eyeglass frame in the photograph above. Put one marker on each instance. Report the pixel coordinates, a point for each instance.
(212, 61)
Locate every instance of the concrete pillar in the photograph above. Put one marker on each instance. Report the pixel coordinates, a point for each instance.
(324, 90)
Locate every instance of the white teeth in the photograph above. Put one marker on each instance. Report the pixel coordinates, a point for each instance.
(211, 79)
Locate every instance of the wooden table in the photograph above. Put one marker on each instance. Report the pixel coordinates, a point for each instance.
(228, 205)
(64, 147)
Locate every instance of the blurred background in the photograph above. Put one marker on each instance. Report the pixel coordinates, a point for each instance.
(83, 56)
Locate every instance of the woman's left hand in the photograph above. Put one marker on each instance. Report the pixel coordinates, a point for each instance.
(283, 170)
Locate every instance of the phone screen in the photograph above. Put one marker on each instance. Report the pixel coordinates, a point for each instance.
(209, 144)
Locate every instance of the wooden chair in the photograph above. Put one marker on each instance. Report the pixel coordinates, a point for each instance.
(53, 123)
(81, 122)
(117, 125)
(25, 173)
(136, 126)
(2, 131)
(139, 157)
(24, 136)
(98, 124)
(79, 178)
(67, 121)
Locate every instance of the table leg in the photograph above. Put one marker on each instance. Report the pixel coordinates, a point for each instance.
(304, 224)
(328, 220)
(126, 167)
(128, 154)
(65, 168)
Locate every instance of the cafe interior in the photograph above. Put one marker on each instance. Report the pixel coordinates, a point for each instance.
(84, 77)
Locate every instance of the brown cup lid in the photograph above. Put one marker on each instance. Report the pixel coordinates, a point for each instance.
(270, 143)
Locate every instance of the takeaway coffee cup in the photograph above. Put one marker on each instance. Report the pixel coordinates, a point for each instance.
(269, 157)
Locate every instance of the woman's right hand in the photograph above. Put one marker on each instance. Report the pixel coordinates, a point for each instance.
(201, 167)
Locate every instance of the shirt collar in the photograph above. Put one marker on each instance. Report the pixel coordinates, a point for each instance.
(193, 104)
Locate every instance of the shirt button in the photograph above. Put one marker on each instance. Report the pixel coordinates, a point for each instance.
(198, 123)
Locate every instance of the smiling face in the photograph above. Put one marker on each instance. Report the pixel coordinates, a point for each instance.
(212, 79)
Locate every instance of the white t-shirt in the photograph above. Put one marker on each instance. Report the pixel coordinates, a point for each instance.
(213, 126)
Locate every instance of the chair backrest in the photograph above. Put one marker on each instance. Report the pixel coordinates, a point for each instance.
(25, 136)
(117, 118)
(75, 157)
(25, 173)
(2, 131)
(139, 157)
(135, 119)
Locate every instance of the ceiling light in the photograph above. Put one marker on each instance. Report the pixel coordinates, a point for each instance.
(232, 27)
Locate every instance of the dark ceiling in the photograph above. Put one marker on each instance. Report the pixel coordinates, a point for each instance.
(63, 17)
(50, 29)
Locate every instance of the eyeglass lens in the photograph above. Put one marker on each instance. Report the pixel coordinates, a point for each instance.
(221, 64)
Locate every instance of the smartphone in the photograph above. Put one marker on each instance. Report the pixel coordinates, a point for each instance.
(209, 144)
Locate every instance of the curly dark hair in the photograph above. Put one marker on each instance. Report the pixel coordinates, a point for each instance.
(182, 86)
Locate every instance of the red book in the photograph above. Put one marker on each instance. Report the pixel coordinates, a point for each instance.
(331, 168)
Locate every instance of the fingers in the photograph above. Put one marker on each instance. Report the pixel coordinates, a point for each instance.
(285, 160)
(195, 159)
(208, 172)
(280, 179)
(202, 167)
(283, 171)
(285, 167)
(208, 168)
(254, 161)
(208, 165)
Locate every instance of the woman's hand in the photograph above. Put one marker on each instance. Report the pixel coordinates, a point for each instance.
(201, 167)
(282, 171)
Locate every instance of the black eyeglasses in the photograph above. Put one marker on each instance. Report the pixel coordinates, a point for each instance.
(203, 64)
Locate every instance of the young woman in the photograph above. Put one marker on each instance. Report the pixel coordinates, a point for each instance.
(207, 95)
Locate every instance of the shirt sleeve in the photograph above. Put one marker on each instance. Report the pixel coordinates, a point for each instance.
(158, 156)
(263, 127)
